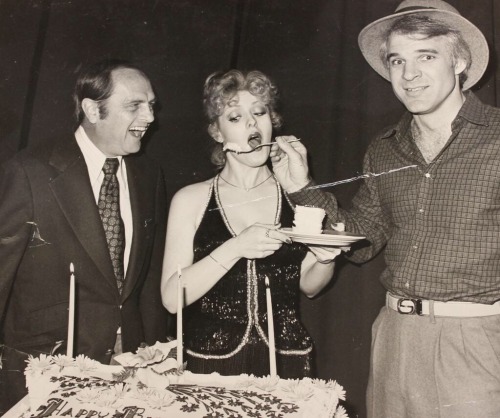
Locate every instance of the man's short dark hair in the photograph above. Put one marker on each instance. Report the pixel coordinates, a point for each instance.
(95, 82)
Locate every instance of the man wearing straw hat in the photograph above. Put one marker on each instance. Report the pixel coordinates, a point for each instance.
(436, 343)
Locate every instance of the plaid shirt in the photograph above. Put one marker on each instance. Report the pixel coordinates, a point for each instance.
(440, 222)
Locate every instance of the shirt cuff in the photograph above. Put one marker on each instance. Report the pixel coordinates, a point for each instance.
(307, 196)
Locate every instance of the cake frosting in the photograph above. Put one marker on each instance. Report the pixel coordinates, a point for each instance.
(308, 220)
(232, 146)
(149, 384)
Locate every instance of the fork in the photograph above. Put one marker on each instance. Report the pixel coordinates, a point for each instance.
(257, 147)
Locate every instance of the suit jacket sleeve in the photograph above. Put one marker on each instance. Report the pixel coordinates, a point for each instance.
(16, 227)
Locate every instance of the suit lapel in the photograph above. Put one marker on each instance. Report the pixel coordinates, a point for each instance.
(74, 195)
(140, 201)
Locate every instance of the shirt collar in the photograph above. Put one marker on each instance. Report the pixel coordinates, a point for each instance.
(94, 158)
(472, 110)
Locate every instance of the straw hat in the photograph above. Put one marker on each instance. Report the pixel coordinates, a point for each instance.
(372, 36)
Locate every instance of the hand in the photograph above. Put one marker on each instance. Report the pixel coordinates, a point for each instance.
(290, 163)
(259, 241)
(325, 255)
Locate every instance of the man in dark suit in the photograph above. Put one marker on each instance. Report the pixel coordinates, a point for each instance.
(56, 204)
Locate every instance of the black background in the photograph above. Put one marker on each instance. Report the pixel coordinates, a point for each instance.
(330, 98)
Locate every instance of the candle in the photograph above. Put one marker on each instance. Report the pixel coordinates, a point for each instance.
(180, 304)
(270, 330)
(71, 312)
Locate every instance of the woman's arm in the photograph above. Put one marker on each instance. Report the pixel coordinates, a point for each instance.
(317, 270)
(198, 278)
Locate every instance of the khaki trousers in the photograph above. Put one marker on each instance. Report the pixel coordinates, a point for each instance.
(434, 367)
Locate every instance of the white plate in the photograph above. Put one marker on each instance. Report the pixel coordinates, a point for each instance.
(327, 238)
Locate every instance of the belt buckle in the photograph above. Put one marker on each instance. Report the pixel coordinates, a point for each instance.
(409, 306)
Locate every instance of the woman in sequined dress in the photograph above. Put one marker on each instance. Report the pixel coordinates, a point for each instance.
(224, 234)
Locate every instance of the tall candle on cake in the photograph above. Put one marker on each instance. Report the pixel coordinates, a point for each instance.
(180, 304)
(270, 330)
(71, 312)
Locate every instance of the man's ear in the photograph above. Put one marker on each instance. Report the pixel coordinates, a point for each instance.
(214, 132)
(460, 66)
(91, 109)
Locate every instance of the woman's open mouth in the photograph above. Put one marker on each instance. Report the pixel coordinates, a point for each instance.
(254, 140)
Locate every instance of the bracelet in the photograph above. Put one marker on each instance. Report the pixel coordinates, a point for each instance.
(220, 264)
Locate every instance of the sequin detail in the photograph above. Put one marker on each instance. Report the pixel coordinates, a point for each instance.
(220, 324)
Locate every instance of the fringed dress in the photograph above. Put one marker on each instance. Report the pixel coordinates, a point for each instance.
(225, 331)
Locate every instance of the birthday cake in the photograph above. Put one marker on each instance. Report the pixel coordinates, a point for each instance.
(308, 220)
(150, 384)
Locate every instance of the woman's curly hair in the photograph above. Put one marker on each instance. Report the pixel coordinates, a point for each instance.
(221, 87)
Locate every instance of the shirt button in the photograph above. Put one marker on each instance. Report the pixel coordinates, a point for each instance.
(407, 285)
(415, 247)
(421, 210)
(428, 175)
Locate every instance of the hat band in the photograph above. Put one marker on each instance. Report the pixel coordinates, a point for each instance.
(409, 9)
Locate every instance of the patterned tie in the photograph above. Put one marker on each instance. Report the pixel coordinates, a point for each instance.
(109, 210)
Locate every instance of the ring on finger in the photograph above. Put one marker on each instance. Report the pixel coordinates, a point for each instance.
(267, 233)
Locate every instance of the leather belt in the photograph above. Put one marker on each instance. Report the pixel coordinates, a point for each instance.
(412, 306)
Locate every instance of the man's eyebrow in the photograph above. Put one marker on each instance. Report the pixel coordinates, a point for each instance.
(431, 50)
(139, 101)
(420, 51)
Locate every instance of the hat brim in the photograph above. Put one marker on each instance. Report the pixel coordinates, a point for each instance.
(372, 36)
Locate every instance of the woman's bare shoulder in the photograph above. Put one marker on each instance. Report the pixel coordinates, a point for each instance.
(194, 194)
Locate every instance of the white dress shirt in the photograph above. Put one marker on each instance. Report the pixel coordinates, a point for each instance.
(95, 159)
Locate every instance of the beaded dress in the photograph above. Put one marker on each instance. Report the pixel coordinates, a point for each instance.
(226, 330)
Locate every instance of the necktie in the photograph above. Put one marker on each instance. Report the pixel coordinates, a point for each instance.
(109, 210)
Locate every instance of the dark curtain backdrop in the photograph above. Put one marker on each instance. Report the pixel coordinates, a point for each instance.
(329, 97)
